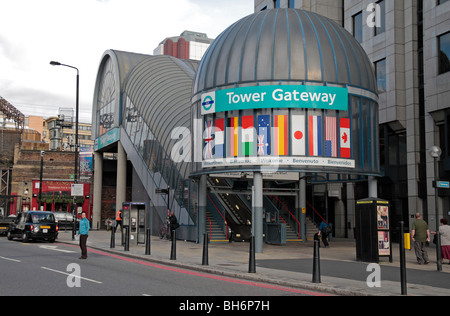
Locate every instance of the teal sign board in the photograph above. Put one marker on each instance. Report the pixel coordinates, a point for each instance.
(107, 139)
(268, 97)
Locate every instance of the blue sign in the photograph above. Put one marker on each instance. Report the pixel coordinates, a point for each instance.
(443, 185)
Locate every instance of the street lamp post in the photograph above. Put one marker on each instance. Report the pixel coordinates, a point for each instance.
(40, 179)
(55, 63)
(435, 153)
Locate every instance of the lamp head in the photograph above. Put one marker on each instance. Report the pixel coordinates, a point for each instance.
(55, 63)
(435, 151)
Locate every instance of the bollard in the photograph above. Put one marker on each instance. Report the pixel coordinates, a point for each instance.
(403, 260)
(147, 242)
(127, 239)
(316, 263)
(252, 261)
(205, 260)
(173, 252)
(113, 238)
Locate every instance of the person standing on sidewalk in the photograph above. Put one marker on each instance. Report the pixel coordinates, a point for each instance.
(173, 224)
(118, 221)
(83, 232)
(420, 235)
(444, 232)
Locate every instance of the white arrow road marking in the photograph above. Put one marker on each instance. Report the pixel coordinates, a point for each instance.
(55, 248)
(69, 274)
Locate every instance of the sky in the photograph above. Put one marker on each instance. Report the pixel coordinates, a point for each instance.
(78, 32)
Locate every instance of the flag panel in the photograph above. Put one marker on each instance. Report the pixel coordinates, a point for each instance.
(330, 137)
(219, 138)
(315, 136)
(207, 152)
(264, 139)
(345, 138)
(281, 135)
(298, 136)
(247, 135)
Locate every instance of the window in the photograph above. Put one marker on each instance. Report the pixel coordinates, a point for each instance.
(380, 72)
(444, 53)
(358, 26)
(442, 1)
(382, 11)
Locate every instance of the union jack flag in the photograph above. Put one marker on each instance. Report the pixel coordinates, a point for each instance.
(208, 151)
(261, 145)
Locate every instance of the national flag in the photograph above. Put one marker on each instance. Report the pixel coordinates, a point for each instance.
(298, 135)
(219, 138)
(345, 137)
(315, 136)
(264, 135)
(248, 135)
(330, 137)
(207, 152)
(232, 136)
(281, 135)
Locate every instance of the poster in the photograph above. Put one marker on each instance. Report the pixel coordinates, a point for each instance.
(383, 217)
(384, 243)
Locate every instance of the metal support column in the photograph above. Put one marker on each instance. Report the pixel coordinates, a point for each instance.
(202, 202)
(302, 206)
(257, 221)
(121, 184)
(98, 185)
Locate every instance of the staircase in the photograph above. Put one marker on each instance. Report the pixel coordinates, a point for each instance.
(214, 229)
(291, 234)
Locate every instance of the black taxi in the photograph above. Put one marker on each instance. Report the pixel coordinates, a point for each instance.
(34, 225)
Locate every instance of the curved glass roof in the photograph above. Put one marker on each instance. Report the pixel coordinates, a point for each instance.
(160, 89)
(285, 45)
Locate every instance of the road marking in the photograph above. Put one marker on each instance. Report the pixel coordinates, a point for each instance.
(55, 248)
(9, 259)
(69, 274)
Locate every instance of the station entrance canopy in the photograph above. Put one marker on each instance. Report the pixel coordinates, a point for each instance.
(286, 91)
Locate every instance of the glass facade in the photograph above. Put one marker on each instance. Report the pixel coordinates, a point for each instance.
(106, 100)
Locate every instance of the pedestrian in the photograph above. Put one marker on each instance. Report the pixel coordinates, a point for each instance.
(173, 224)
(83, 232)
(420, 235)
(118, 220)
(324, 230)
(444, 232)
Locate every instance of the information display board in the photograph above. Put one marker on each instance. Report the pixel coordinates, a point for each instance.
(373, 230)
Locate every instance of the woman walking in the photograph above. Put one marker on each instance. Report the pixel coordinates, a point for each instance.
(444, 232)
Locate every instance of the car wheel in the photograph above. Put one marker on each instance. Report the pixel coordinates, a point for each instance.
(24, 237)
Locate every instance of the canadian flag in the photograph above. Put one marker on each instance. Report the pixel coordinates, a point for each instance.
(345, 136)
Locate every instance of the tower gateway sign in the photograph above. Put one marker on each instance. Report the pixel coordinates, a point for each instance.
(266, 97)
(283, 140)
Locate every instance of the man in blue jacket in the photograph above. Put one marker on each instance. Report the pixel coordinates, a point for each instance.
(83, 232)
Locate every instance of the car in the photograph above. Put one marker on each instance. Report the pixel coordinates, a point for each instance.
(34, 225)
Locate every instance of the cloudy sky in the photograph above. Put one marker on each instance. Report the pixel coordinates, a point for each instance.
(78, 32)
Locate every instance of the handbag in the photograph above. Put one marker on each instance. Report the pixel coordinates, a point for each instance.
(435, 239)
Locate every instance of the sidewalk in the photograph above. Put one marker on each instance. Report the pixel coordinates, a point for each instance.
(290, 265)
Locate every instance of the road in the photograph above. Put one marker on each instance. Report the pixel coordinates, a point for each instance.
(43, 269)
